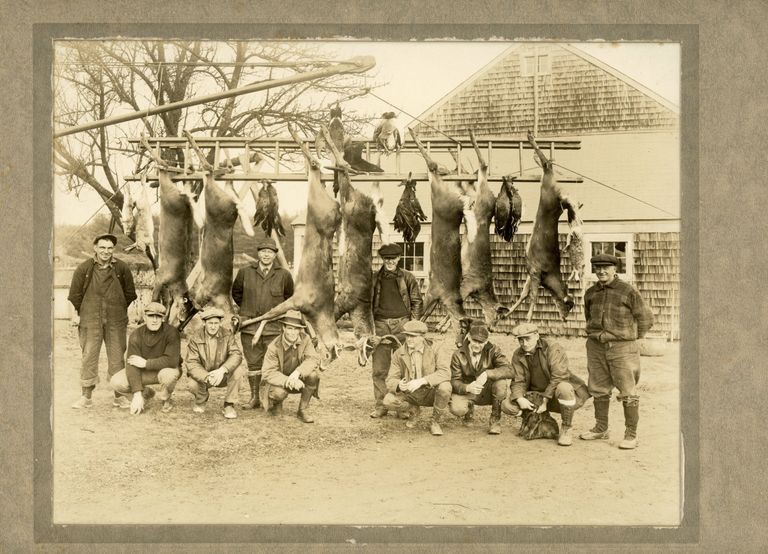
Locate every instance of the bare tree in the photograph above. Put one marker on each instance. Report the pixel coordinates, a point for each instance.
(96, 79)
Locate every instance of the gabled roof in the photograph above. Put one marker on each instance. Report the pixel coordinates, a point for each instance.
(581, 95)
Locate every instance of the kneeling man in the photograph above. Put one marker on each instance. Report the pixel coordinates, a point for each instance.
(417, 379)
(291, 366)
(541, 366)
(153, 357)
(480, 375)
(213, 360)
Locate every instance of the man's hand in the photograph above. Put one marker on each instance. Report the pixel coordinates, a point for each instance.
(75, 320)
(482, 379)
(542, 407)
(474, 387)
(374, 341)
(294, 382)
(137, 403)
(525, 404)
(215, 377)
(137, 361)
(416, 384)
(403, 384)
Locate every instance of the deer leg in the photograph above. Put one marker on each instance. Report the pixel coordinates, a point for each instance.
(523, 295)
(533, 294)
(564, 302)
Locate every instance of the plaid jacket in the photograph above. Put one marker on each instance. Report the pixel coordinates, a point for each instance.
(616, 311)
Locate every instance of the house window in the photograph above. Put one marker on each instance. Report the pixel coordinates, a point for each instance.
(413, 256)
(530, 64)
(619, 245)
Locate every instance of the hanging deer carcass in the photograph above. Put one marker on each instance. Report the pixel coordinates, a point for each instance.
(476, 265)
(448, 211)
(543, 254)
(174, 243)
(314, 292)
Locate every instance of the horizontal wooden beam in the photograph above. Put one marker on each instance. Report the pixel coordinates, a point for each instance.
(368, 177)
(287, 143)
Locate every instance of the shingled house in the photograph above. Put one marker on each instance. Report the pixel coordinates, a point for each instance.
(628, 161)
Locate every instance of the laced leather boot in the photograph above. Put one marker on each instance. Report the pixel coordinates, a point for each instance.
(253, 403)
(600, 430)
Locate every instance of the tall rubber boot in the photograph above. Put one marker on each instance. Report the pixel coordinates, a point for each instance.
(600, 430)
(631, 419)
(566, 415)
(306, 396)
(254, 381)
(494, 423)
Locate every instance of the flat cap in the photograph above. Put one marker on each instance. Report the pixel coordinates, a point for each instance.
(155, 308)
(604, 259)
(525, 329)
(415, 328)
(106, 236)
(266, 243)
(390, 250)
(293, 318)
(478, 331)
(208, 313)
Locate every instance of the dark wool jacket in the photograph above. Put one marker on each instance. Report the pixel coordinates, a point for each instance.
(81, 278)
(554, 364)
(492, 361)
(256, 294)
(161, 349)
(409, 291)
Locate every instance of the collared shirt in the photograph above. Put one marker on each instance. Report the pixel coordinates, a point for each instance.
(616, 311)
(416, 355)
(290, 356)
(212, 343)
(265, 269)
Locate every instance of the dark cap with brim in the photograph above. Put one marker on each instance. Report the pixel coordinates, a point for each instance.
(390, 251)
(604, 259)
(106, 236)
(155, 308)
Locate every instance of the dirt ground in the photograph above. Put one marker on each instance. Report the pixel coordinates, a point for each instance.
(346, 468)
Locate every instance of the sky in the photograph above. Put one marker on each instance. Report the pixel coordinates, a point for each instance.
(415, 75)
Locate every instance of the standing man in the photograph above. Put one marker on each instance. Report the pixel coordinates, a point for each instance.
(616, 317)
(154, 357)
(541, 366)
(291, 366)
(480, 375)
(258, 288)
(419, 379)
(396, 300)
(101, 291)
(213, 360)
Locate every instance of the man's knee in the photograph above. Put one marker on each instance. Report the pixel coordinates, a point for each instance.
(312, 379)
(119, 382)
(168, 375)
(393, 402)
(564, 391)
(277, 394)
(499, 389)
(239, 373)
(510, 407)
(444, 390)
(459, 405)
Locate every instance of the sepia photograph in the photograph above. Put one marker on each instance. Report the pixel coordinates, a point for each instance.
(366, 283)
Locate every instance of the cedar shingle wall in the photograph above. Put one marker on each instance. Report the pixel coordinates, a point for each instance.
(657, 277)
(576, 98)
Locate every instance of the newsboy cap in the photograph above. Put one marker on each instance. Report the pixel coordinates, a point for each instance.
(415, 328)
(390, 250)
(525, 329)
(604, 259)
(293, 318)
(478, 331)
(208, 313)
(106, 236)
(266, 243)
(155, 308)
